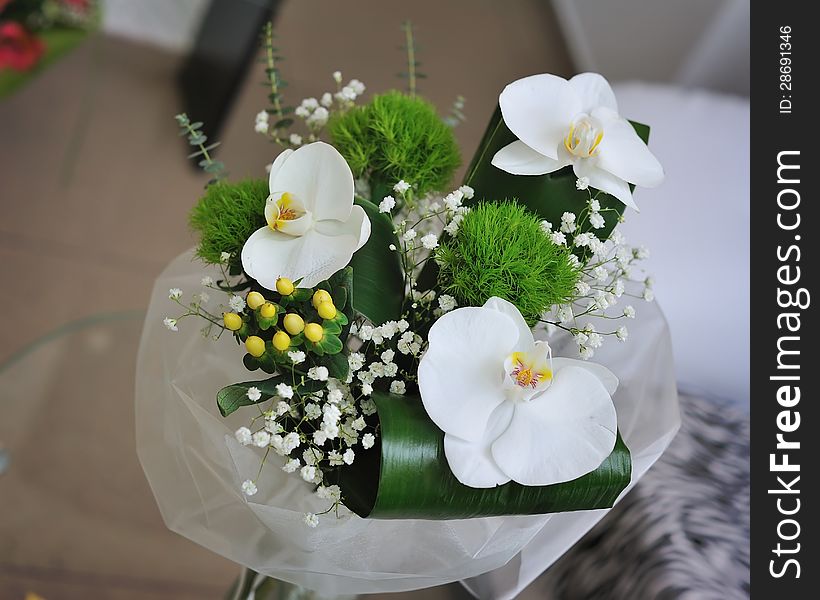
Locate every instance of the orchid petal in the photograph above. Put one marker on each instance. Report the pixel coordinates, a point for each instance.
(560, 435)
(277, 166)
(593, 91)
(358, 226)
(319, 176)
(312, 257)
(519, 159)
(606, 377)
(624, 154)
(605, 181)
(472, 463)
(461, 373)
(525, 339)
(538, 110)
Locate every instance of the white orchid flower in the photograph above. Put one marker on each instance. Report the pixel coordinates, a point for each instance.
(509, 411)
(575, 122)
(313, 226)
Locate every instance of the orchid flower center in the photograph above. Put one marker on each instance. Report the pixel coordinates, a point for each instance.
(285, 213)
(527, 373)
(584, 137)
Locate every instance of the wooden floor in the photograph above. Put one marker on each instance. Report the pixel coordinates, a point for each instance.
(94, 195)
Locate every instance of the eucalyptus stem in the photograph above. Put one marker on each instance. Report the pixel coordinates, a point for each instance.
(273, 78)
(411, 57)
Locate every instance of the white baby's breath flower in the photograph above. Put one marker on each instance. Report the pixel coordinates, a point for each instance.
(335, 396)
(282, 407)
(283, 390)
(446, 303)
(291, 466)
(170, 324)
(629, 312)
(308, 472)
(582, 183)
(409, 235)
(558, 238)
(224, 257)
(467, 191)
(430, 241)
(253, 394)
(295, 139)
(392, 247)
(401, 187)
(600, 273)
(326, 100)
(318, 373)
(355, 360)
(243, 436)
(648, 294)
(596, 220)
(348, 456)
(398, 387)
(368, 439)
(367, 389)
(357, 86)
(261, 439)
(237, 303)
(174, 293)
(594, 205)
(207, 281)
(387, 204)
(546, 227)
(249, 487)
(586, 353)
(311, 520)
(622, 333)
(582, 287)
(296, 356)
(337, 76)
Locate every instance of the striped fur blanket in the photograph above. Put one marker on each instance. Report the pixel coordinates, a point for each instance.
(683, 532)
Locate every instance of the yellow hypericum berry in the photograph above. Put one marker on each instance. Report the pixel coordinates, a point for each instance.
(232, 321)
(327, 310)
(255, 346)
(314, 332)
(255, 300)
(268, 310)
(321, 296)
(294, 324)
(281, 341)
(284, 286)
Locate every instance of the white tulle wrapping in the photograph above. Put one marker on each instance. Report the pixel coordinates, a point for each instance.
(195, 469)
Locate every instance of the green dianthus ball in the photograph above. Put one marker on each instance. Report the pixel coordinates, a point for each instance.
(226, 216)
(501, 250)
(397, 137)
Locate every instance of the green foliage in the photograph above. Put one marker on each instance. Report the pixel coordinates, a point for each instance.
(500, 250)
(226, 216)
(396, 137)
(197, 139)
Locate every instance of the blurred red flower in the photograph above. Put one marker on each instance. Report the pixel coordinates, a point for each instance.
(19, 49)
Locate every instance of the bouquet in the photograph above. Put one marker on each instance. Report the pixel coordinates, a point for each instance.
(35, 32)
(385, 354)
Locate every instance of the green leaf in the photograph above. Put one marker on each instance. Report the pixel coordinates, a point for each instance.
(378, 281)
(234, 396)
(549, 195)
(406, 476)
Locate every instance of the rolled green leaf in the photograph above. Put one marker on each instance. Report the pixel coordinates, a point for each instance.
(378, 279)
(550, 195)
(406, 476)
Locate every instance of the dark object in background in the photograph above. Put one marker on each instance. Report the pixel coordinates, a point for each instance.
(223, 52)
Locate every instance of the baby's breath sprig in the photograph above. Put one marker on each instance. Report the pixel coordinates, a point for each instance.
(197, 139)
